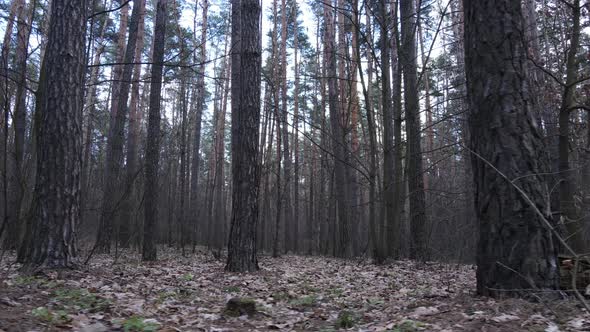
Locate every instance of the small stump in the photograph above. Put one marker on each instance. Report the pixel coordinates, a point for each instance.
(240, 306)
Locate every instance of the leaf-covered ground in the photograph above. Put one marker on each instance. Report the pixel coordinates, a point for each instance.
(290, 293)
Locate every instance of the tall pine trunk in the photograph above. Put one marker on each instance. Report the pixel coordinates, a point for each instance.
(418, 246)
(246, 79)
(152, 151)
(59, 139)
(113, 193)
(516, 249)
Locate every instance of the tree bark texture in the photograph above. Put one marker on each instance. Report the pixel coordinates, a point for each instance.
(516, 250)
(59, 139)
(245, 135)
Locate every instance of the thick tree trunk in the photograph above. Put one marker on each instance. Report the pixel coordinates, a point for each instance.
(59, 139)
(246, 58)
(152, 151)
(516, 249)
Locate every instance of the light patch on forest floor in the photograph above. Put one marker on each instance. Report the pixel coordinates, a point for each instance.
(291, 293)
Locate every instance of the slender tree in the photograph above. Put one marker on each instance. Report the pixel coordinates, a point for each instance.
(17, 185)
(418, 248)
(199, 106)
(152, 151)
(338, 138)
(131, 167)
(567, 183)
(113, 194)
(391, 230)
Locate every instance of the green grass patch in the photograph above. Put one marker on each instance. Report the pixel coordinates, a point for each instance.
(80, 298)
(346, 319)
(303, 302)
(232, 289)
(26, 280)
(187, 277)
(139, 324)
(51, 317)
(408, 326)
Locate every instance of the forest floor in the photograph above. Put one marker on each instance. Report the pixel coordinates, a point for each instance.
(290, 293)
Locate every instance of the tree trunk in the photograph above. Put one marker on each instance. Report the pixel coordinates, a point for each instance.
(430, 165)
(17, 186)
(8, 218)
(516, 249)
(246, 62)
(152, 151)
(113, 194)
(338, 139)
(399, 186)
(219, 215)
(199, 108)
(90, 107)
(569, 211)
(418, 248)
(183, 160)
(374, 238)
(131, 169)
(59, 139)
(391, 229)
(286, 193)
(295, 145)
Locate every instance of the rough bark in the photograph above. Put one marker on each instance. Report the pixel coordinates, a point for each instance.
(516, 249)
(245, 135)
(59, 139)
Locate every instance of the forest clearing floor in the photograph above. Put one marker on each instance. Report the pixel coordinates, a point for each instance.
(291, 293)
